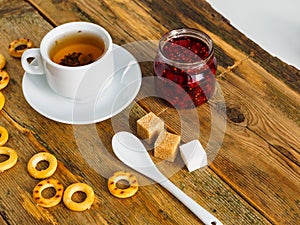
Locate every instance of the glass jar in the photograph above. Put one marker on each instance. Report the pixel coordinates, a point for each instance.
(186, 66)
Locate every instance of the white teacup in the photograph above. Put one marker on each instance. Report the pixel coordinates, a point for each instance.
(79, 82)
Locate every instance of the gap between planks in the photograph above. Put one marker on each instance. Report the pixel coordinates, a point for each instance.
(234, 66)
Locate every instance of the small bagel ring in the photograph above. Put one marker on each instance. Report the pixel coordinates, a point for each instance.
(11, 161)
(4, 79)
(2, 61)
(2, 100)
(79, 206)
(13, 47)
(3, 136)
(122, 193)
(41, 174)
(52, 201)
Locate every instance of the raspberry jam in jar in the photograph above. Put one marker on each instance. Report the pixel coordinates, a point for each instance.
(186, 66)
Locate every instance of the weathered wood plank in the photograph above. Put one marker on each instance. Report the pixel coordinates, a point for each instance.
(67, 152)
(202, 181)
(255, 137)
(2, 219)
(202, 13)
(131, 21)
(268, 101)
(271, 130)
(270, 111)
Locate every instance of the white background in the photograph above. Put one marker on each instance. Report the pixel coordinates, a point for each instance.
(272, 24)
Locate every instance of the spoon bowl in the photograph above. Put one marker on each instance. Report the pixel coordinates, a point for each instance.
(131, 151)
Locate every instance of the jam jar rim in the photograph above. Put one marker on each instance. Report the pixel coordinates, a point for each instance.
(186, 32)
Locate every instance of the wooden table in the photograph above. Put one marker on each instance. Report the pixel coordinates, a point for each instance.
(254, 178)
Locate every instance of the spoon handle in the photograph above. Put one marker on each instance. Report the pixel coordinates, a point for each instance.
(199, 211)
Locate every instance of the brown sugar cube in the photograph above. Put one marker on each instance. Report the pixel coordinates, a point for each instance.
(149, 127)
(166, 146)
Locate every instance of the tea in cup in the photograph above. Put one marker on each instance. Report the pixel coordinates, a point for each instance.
(76, 58)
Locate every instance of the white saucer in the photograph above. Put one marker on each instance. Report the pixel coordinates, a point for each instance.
(121, 92)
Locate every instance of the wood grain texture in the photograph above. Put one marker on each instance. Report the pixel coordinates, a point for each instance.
(254, 179)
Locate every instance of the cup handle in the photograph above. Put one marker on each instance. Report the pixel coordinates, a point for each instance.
(36, 65)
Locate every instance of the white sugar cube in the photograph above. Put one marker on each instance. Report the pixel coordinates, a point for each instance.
(193, 155)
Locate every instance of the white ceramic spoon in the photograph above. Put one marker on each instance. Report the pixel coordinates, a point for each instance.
(130, 150)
